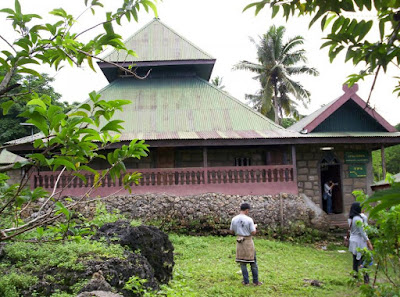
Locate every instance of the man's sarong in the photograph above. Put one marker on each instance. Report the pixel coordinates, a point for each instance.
(245, 249)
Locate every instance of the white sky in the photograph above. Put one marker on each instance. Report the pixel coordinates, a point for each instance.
(221, 29)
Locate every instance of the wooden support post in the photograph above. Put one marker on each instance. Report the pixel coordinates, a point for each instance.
(281, 209)
(205, 161)
(294, 163)
(383, 162)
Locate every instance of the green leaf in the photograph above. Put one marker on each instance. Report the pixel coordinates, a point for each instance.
(38, 157)
(364, 30)
(64, 162)
(249, 6)
(29, 71)
(113, 126)
(382, 29)
(62, 209)
(6, 106)
(152, 6)
(86, 107)
(7, 10)
(80, 176)
(87, 168)
(17, 7)
(275, 10)
(134, 14)
(38, 102)
(90, 62)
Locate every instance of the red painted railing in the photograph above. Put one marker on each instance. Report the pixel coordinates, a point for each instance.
(166, 179)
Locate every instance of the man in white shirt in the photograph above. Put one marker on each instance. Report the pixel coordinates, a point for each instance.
(328, 186)
(244, 228)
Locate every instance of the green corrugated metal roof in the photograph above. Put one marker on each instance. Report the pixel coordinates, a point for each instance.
(351, 134)
(157, 42)
(183, 107)
(7, 157)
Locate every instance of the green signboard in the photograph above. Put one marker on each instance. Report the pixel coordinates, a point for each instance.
(356, 157)
(357, 170)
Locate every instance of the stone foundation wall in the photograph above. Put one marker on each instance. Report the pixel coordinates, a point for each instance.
(267, 211)
(15, 176)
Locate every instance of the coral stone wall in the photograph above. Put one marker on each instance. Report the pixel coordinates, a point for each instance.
(15, 176)
(218, 209)
(308, 159)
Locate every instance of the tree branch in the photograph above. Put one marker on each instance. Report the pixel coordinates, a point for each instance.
(115, 64)
(9, 44)
(8, 89)
(6, 168)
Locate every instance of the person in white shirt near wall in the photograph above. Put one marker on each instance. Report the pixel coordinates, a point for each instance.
(243, 227)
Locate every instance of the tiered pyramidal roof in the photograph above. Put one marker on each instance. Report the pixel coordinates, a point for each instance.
(176, 101)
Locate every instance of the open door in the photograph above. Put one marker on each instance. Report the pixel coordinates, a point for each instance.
(330, 170)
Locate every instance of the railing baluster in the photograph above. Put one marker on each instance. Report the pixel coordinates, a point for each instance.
(177, 177)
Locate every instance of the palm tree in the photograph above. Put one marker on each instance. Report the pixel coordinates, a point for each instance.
(277, 63)
(217, 82)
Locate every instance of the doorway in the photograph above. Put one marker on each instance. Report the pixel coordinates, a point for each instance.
(330, 171)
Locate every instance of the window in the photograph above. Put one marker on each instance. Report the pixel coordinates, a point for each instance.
(242, 161)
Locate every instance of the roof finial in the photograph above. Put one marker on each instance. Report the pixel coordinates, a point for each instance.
(353, 89)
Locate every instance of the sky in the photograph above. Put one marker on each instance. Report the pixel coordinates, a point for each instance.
(220, 28)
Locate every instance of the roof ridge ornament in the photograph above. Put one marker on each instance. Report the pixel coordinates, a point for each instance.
(352, 90)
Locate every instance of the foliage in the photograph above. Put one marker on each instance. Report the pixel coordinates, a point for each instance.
(12, 283)
(385, 198)
(102, 216)
(392, 161)
(66, 142)
(385, 235)
(287, 122)
(278, 63)
(135, 285)
(10, 123)
(350, 32)
(218, 82)
(25, 261)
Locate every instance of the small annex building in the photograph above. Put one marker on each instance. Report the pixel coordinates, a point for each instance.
(202, 140)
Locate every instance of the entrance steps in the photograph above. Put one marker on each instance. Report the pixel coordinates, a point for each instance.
(338, 221)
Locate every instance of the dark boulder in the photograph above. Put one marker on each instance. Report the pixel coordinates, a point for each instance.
(105, 275)
(152, 243)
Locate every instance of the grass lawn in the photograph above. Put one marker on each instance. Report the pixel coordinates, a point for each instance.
(206, 267)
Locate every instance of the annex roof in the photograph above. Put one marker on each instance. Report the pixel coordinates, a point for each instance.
(7, 157)
(349, 110)
(396, 178)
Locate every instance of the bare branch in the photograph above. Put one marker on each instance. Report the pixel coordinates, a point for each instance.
(9, 44)
(116, 65)
(54, 191)
(8, 89)
(373, 84)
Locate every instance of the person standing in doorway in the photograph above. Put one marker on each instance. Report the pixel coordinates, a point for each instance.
(328, 186)
(244, 228)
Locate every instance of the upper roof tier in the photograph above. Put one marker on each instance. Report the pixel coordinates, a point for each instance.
(159, 47)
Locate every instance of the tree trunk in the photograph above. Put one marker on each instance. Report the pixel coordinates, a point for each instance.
(276, 105)
(7, 78)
